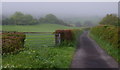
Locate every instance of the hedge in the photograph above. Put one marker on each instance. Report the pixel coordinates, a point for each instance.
(12, 41)
(68, 37)
(108, 33)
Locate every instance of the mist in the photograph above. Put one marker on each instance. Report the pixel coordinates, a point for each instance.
(69, 12)
(61, 9)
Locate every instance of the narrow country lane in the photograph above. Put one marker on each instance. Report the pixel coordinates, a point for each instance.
(90, 55)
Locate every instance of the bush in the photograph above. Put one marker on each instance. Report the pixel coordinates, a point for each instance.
(108, 34)
(76, 33)
(108, 38)
(12, 41)
(68, 37)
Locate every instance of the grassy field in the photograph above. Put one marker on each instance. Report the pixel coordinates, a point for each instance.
(40, 50)
(36, 28)
(37, 40)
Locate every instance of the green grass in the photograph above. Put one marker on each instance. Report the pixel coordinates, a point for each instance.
(107, 47)
(36, 28)
(40, 40)
(40, 57)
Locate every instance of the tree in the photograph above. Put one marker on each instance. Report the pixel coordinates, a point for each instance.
(19, 18)
(7, 21)
(110, 19)
(52, 19)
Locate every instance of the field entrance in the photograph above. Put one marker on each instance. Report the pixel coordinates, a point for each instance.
(39, 39)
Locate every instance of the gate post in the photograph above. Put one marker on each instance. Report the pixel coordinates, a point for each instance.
(57, 39)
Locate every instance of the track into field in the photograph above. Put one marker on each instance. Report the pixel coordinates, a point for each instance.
(89, 55)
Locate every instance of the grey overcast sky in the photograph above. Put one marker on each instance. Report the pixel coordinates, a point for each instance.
(61, 8)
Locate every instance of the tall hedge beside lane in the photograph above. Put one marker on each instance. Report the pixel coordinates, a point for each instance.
(68, 37)
(109, 34)
(108, 37)
(12, 41)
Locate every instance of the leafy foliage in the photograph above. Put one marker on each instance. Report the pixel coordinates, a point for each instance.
(69, 37)
(110, 19)
(20, 19)
(110, 49)
(12, 41)
(107, 33)
(52, 19)
(108, 38)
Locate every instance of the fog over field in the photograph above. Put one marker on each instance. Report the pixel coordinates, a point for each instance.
(61, 9)
(70, 12)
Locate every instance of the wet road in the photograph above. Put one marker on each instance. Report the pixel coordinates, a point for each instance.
(90, 55)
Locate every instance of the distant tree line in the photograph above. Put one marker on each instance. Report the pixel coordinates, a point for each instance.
(19, 18)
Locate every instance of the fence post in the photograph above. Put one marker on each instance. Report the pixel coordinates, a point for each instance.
(57, 39)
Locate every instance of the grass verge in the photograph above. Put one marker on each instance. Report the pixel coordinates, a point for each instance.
(112, 51)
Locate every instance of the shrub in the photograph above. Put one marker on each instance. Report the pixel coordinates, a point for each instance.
(12, 41)
(76, 33)
(108, 33)
(68, 37)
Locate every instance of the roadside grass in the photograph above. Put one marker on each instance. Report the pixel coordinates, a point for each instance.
(112, 51)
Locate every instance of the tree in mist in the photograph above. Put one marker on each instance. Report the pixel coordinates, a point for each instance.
(52, 19)
(7, 21)
(19, 18)
(110, 19)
